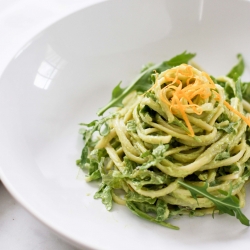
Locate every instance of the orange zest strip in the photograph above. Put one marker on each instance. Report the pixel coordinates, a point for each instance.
(217, 97)
(183, 93)
(185, 118)
(245, 119)
(172, 80)
(209, 78)
(188, 72)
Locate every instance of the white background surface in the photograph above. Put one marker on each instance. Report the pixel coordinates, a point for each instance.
(20, 20)
(19, 230)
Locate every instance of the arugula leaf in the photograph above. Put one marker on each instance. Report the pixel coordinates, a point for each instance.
(160, 150)
(238, 92)
(105, 193)
(133, 196)
(229, 128)
(146, 66)
(248, 136)
(117, 91)
(151, 95)
(146, 207)
(222, 156)
(223, 117)
(181, 58)
(246, 174)
(111, 180)
(95, 164)
(84, 158)
(97, 126)
(162, 211)
(238, 69)
(92, 166)
(245, 88)
(180, 124)
(149, 164)
(154, 158)
(145, 154)
(239, 89)
(94, 176)
(91, 124)
(132, 206)
(129, 166)
(115, 178)
(97, 155)
(232, 89)
(104, 129)
(131, 126)
(140, 177)
(229, 204)
(229, 90)
(143, 82)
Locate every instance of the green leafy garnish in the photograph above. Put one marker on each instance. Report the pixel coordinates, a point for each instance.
(154, 157)
(132, 206)
(146, 66)
(133, 196)
(105, 193)
(162, 211)
(97, 126)
(94, 164)
(131, 126)
(229, 204)
(180, 124)
(143, 82)
(104, 129)
(142, 177)
(238, 92)
(231, 127)
(238, 69)
(222, 156)
(245, 89)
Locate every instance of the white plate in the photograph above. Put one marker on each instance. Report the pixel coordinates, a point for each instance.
(66, 73)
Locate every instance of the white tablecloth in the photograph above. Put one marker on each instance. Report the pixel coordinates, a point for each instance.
(21, 231)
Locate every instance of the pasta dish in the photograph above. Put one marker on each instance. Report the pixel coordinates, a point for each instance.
(177, 143)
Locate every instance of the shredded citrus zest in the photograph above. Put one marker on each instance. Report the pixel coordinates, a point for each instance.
(185, 85)
(244, 118)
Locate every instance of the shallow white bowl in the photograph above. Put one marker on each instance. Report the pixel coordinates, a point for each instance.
(66, 73)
